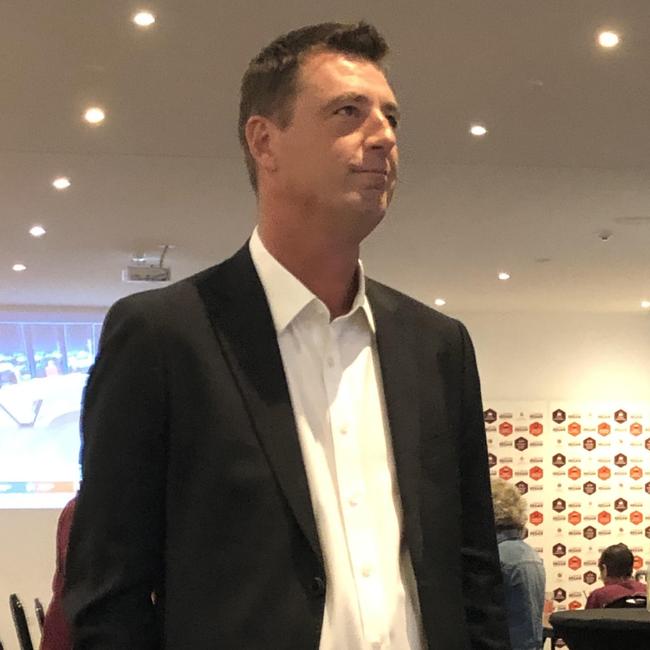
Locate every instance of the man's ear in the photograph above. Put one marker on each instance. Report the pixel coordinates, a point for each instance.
(260, 132)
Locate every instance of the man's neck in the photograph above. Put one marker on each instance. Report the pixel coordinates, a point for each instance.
(609, 580)
(326, 267)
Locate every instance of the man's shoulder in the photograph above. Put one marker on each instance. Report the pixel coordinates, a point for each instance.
(407, 305)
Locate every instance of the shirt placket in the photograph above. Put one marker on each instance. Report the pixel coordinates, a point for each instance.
(356, 514)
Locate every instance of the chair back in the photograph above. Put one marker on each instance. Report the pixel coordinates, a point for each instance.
(20, 623)
(628, 601)
(40, 613)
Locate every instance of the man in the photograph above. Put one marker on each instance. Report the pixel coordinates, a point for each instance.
(523, 571)
(616, 563)
(289, 455)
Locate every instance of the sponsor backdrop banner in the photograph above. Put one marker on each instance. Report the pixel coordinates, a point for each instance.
(584, 470)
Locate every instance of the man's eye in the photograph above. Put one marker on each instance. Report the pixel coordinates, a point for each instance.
(392, 120)
(350, 111)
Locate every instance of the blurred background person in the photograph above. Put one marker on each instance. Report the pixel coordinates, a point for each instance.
(56, 629)
(616, 563)
(522, 568)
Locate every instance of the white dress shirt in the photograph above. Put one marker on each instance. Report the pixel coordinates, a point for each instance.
(336, 391)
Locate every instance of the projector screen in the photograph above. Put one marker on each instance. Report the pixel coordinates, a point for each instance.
(44, 364)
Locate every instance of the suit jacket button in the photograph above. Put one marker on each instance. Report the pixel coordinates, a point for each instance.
(317, 586)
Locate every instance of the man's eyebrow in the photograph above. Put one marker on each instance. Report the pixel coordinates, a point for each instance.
(355, 98)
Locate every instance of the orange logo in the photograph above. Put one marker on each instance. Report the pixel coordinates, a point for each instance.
(604, 429)
(574, 429)
(636, 517)
(575, 604)
(604, 473)
(636, 429)
(574, 518)
(604, 518)
(574, 473)
(638, 562)
(535, 473)
(536, 429)
(636, 472)
(536, 518)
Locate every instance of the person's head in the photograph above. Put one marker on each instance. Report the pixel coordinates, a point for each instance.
(509, 506)
(317, 122)
(615, 562)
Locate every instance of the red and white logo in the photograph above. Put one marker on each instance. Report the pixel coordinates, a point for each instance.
(505, 428)
(505, 473)
(574, 563)
(574, 517)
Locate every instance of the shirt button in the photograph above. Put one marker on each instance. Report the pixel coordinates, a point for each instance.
(366, 570)
(330, 362)
(317, 586)
(343, 430)
(353, 501)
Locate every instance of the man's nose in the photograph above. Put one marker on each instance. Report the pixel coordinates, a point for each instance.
(381, 132)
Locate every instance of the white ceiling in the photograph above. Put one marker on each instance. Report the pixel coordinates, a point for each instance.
(566, 157)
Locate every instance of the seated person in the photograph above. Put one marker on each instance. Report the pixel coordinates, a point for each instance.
(615, 564)
(56, 630)
(522, 568)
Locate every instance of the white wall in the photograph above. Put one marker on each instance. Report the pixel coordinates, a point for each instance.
(582, 357)
(569, 356)
(27, 552)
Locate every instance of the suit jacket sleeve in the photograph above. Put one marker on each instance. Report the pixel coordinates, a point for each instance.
(482, 581)
(115, 552)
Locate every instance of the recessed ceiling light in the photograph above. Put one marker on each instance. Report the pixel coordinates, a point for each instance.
(608, 39)
(645, 304)
(61, 183)
(440, 302)
(19, 267)
(94, 115)
(503, 275)
(37, 231)
(144, 19)
(478, 130)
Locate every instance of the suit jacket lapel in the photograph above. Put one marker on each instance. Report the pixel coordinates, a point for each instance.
(241, 319)
(397, 346)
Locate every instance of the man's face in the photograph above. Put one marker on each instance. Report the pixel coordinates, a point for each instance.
(337, 159)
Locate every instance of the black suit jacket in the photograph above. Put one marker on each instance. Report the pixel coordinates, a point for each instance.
(194, 486)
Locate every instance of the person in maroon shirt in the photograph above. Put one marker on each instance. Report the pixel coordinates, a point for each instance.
(56, 630)
(615, 564)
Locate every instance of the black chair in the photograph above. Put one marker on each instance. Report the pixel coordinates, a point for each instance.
(549, 633)
(628, 601)
(20, 623)
(40, 613)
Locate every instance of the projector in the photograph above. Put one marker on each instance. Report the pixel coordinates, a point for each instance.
(145, 273)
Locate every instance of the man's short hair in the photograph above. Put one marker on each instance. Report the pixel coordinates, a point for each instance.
(509, 506)
(269, 86)
(619, 561)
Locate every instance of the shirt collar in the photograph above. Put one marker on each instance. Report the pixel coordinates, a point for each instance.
(287, 296)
